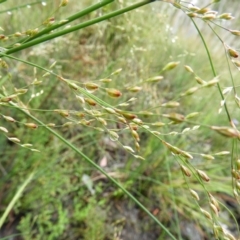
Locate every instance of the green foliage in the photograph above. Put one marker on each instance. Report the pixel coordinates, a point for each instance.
(146, 106)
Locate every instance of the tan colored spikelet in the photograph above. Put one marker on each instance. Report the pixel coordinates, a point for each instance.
(236, 174)
(203, 10)
(186, 171)
(15, 140)
(135, 135)
(235, 32)
(176, 117)
(226, 16)
(20, 90)
(188, 69)
(232, 53)
(154, 79)
(91, 86)
(170, 66)
(192, 14)
(171, 104)
(105, 80)
(137, 146)
(214, 202)
(67, 124)
(64, 113)
(134, 89)
(63, 3)
(116, 72)
(121, 119)
(90, 101)
(214, 209)
(73, 86)
(129, 149)
(158, 124)
(199, 80)
(229, 236)
(209, 17)
(206, 214)
(5, 99)
(113, 92)
(129, 116)
(227, 131)
(3, 129)
(31, 125)
(137, 121)
(102, 120)
(194, 194)
(203, 175)
(207, 156)
(9, 119)
(192, 115)
(190, 91)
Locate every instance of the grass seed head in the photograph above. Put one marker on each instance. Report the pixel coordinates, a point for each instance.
(199, 80)
(232, 53)
(235, 32)
(203, 175)
(9, 119)
(91, 87)
(112, 92)
(194, 194)
(214, 209)
(31, 125)
(90, 101)
(129, 149)
(3, 129)
(206, 214)
(13, 139)
(227, 131)
(226, 16)
(186, 171)
(170, 66)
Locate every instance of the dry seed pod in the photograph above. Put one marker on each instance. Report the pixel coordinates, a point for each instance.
(237, 63)
(154, 79)
(158, 124)
(232, 53)
(31, 125)
(170, 66)
(227, 131)
(235, 32)
(113, 92)
(128, 116)
(63, 113)
(176, 117)
(192, 14)
(186, 171)
(102, 120)
(137, 146)
(209, 17)
(91, 86)
(222, 153)
(135, 135)
(128, 149)
(214, 202)
(199, 80)
(3, 129)
(15, 140)
(235, 174)
(189, 91)
(203, 175)
(105, 80)
(194, 194)
(134, 89)
(226, 16)
(171, 104)
(20, 90)
(191, 115)
(207, 156)
(9, 119)
(63, 3)
(214, 209)
(51, 124)
(113, 135)
(189, 69)
(116, 72)
(5, 99)
(90, 101)
(203, 10)
(206, 214)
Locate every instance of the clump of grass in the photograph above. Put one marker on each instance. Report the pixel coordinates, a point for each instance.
(113, 110)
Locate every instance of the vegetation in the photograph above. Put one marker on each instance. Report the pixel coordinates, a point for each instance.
(114, 124)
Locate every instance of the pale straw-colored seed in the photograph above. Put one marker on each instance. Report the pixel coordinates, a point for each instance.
(3, 129)
(121, 119)
(137, 146)
(214, 209)
(9, 119)
(74, 86)
(192, 14)
(110, 110)
(222, 153)
(20, 90)
(113, 135)
(176, 117)
(63, 113)
(15, 140)
(139, 157)
(238, 164)
(171, 104)
(129, 149)
(192, 115)
(5, 99)
(232, 53)
(186, 171)
(31, 125)
(203, 10)
(67, 124)
(211, 83)
(203, 175)
(206, 214)
(112, 92)
(190, 91)
(90, 101)
(91, 86)
(199, 80)
(135, 135)
(227, 131)
(214, 202)
(134, 89)
(158, 124)
(188, 69)
(170, 66)
(117, 71)
(137, 121)
(34, 150)
(235, 32)
(154, 79)
(229, 236)
(105, 80)
(207, 156)
(102, 120)
(26, 145)
(51, 124)
(236, 174)
(226, 16)
(194, 194)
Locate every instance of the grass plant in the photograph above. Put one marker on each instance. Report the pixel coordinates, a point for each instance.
(120, 115)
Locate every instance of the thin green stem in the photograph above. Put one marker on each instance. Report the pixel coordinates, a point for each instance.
(75, 149)
(69, 19)
(77, 27)
(213, 69)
